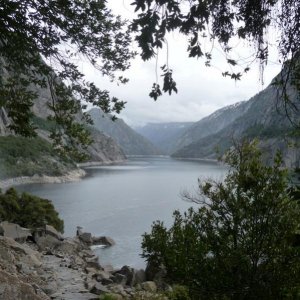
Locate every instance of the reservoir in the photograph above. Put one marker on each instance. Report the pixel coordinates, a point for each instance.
(122, 201)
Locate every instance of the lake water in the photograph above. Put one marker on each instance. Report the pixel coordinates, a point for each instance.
(122, 201)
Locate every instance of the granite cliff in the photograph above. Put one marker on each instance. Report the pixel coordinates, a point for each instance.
(28, 157)
(263, 117)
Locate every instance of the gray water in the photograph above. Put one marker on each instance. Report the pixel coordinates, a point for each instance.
(122, 201)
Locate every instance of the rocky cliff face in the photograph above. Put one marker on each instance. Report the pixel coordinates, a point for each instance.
(130, 141)
(103, 150)
(263, 117)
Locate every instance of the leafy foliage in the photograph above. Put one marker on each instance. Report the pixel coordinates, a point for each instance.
(20, 156)
(28, 210)
(221, 21)
(239, 243)
(59, 32)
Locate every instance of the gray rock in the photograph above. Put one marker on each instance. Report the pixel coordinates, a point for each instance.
(108, 268)
(22, 252)
(102, 275)
(50, 230)
(91, 271)
(118, 289)
(129, 273)
(103, 240)
(93, 262)
(86, 237)
(140, 276)
(99, 289)
(106, 281)
(120, 279)
(14, 231)
(47, 242)
(12, 288)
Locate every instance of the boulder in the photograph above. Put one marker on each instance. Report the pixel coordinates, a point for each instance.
(156, 274)
(14, 231)
(47, 242)
(106, 281)
(129, 273)
(86, 238)
(102, 275)
(108, 268)
(103, 240)
(93, 262)
(118, 289)
(50, 230)
(120, 279)
(71, 246)
(21, 252)
(99, 289)
(12, 288)
(140, 276)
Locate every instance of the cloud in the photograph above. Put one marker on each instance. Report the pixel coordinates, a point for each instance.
(202, 90)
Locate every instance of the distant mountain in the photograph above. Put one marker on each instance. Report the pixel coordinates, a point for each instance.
(262, 117)
(131, 142)
(211, 124)
(164, 135)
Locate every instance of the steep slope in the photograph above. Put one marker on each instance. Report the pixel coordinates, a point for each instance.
(27, 157)
(211, 124)
(164, 135)
(263, 117)
(130, 141)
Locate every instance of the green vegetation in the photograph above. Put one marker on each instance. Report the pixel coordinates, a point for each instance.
(28, 211)
(178, 292)
(33, 29)
(260, 131)
(240, 244)
(21, 156)
(43, 124)
(108, 297)
(222, 22)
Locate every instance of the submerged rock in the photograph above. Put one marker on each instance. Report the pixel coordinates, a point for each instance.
(103, 240)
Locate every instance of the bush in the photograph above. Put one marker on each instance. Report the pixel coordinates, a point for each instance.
(179, 293)
(239, 243)
(28, 211)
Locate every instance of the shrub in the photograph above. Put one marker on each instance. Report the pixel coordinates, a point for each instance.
(28, 210)
(239, 243)
(179, 292)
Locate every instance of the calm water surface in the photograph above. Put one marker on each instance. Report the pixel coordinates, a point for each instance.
(122, 201)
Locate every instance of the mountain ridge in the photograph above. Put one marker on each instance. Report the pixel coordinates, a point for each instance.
(131, 142)
(262, 117)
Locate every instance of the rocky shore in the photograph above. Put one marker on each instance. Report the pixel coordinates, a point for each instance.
(73, 175)
(42, 264)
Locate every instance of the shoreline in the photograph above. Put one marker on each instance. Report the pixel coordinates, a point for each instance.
(71, 176)
(197, 159)
(100, 163)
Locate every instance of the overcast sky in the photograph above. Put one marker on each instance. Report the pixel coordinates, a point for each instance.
(201, 90)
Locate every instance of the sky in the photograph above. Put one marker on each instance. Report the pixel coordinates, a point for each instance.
(201, 90)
